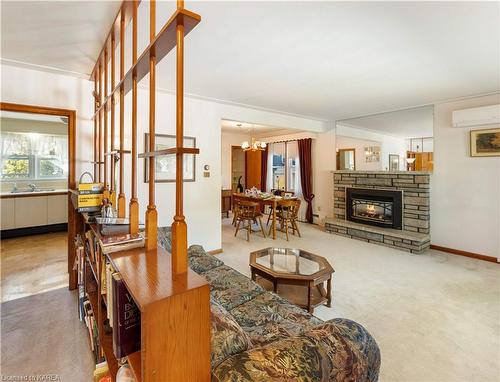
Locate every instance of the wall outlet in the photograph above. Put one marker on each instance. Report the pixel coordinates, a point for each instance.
(318, 208)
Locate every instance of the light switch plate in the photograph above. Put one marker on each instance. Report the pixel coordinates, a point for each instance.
(206, 174)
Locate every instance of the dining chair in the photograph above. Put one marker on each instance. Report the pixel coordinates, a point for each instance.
(248, 212)
(283, 194)
(287, 216)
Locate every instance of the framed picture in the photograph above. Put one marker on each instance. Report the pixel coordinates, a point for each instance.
(393, 162)
(372, 154)
(165, 164)
(485, 143)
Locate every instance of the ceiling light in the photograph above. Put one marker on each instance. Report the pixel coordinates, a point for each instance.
(255, 145)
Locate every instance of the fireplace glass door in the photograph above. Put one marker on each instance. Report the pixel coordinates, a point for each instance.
(372, 210)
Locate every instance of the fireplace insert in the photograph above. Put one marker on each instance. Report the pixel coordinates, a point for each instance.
(382, 208)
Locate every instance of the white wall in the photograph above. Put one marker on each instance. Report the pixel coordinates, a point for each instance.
(202, 120)
(465, 191)
(228, 141)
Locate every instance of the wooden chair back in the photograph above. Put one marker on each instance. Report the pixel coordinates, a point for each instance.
(247, 209)
(290, 208)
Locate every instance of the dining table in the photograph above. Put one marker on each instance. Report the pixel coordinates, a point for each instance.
(263, 201)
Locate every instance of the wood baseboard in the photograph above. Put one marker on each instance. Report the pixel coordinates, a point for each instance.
(215, 251)
(464, 253)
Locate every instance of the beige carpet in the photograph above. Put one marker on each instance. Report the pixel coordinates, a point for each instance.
(41, 335)
(435, 316)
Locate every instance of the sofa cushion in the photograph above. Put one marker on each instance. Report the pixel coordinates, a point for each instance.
(165, 238)
(297, 359)
(201, 264)
(268, 317)
(228, 338)
(230, 288)
(196, 251)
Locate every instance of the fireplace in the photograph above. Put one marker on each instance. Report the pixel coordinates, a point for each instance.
(382, 208)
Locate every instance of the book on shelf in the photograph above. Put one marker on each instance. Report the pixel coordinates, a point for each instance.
(118, 243)
(101, 371)
(126, 320)
(109, 292)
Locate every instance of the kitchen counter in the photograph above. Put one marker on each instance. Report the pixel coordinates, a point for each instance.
(9, 195)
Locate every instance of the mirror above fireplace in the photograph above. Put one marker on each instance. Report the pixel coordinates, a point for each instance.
(395, 141)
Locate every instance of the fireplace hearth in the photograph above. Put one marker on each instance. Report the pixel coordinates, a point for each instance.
(381, 208)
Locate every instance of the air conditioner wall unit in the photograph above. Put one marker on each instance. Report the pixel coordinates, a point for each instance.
(477, 116)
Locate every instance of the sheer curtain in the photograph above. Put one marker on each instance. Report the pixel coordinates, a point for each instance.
(293, 175)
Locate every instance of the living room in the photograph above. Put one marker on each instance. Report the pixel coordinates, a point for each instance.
(307, 71)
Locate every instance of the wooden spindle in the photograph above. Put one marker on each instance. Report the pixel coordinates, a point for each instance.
(179, 227)
(105, 113)
(113, 46)
(121, 197)
(99, 139)
(95, 124)
(134, 205)
(151, 213)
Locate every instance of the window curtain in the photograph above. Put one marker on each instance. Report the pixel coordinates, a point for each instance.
(305, 162)
(269, 171)
(263, 169)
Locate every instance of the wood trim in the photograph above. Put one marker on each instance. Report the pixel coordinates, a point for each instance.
(459, 252)
(72, 216)
(215, 251)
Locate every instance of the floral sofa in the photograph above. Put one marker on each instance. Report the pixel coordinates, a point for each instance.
(259, 336)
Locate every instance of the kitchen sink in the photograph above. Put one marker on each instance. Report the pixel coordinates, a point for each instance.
(26, 190)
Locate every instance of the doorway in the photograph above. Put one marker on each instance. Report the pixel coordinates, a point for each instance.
(37, 170)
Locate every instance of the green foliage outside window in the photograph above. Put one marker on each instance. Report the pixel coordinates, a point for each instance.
(15, 168)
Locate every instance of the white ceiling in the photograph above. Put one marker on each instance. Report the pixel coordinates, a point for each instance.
(410, 123)
(328, 60)
(66, 35)
(258, 131)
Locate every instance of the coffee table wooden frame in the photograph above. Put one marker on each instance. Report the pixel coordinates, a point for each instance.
(315, 280)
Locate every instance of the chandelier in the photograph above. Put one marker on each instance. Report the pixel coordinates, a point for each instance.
(255, 145)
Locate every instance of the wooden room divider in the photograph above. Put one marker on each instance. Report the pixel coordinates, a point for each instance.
(173, 300)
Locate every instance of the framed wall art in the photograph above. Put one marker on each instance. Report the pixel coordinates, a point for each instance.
(165, 165)
(485, 143)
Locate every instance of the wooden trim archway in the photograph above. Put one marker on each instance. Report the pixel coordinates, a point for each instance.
(71, 115)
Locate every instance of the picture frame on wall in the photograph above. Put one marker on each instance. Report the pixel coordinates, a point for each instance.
(165, 164)
(393, 162)
(485, 142)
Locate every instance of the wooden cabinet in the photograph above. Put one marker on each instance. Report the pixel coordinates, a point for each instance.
(226, 201)
(7, 209)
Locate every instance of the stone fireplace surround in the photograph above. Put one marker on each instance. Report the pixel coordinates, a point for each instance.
(414, 237)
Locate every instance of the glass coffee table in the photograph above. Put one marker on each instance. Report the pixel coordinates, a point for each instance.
(299, 270)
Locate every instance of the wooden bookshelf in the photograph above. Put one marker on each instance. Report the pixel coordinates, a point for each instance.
(169, 151)
(175, 317)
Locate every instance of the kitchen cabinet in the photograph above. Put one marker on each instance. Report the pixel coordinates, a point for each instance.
(8, 214)
(57, 209)
(33, 211)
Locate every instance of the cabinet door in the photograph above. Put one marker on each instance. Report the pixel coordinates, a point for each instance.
(31, 211)
(7, 208)
(57, 209)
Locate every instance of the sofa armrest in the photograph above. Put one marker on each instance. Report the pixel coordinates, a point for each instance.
(327, 352)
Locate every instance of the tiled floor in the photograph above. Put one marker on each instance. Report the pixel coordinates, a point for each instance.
(33, 264)
(435, 316)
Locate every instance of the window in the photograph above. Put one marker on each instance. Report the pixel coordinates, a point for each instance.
(284, 158)
(29, 156)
